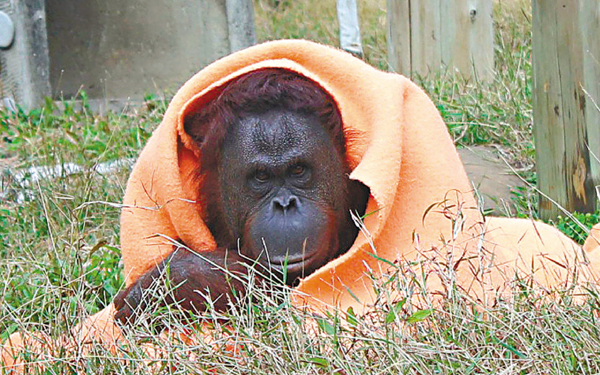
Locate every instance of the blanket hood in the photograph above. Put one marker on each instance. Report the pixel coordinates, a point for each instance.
(403, 153)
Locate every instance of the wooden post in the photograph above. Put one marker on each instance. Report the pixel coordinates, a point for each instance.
(566, 67)
(347, 13)
(424, 35)
(398, 39)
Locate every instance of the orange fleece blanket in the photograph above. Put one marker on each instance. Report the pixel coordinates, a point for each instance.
(423, 214)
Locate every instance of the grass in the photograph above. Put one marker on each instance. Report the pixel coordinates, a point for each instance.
(59, 245)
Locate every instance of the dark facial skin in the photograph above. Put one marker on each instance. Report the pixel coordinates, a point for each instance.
(279, 177)
(279, 199)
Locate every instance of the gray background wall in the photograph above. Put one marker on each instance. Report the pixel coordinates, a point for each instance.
(120, 49)
(115, 50)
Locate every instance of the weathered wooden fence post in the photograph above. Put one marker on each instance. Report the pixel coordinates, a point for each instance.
(424, 35)
(347, 12)
(566, 67)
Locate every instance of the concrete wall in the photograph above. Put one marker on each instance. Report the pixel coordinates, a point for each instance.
(24, 64)
(125, 49)
(115, 50)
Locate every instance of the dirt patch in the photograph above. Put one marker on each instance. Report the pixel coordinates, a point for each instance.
(491, 177)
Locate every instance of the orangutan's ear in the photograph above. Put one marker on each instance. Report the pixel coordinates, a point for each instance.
(197, 126)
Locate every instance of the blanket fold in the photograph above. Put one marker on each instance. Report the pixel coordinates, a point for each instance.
(421, 213)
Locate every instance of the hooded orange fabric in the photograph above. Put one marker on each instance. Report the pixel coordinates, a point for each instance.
(592, 244)
(422, 212)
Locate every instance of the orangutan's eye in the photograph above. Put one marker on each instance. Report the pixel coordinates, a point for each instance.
(261, 176)
(297, 170)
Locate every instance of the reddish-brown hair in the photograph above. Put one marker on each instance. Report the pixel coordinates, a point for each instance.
(259, 92)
